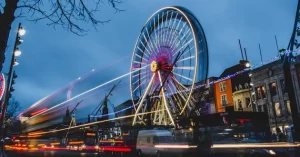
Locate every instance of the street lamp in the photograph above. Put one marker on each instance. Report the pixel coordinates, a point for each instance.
(17, 52)
(247, 65)
(21, 31)
(11, 76)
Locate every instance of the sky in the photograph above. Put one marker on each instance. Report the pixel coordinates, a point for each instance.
(52, 58)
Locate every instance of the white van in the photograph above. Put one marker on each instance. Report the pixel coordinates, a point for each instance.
(147, 139)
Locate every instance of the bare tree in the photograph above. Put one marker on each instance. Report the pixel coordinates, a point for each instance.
(71, 15)
(12, 109)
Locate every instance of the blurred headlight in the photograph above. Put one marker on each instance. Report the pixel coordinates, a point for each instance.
(269, 151)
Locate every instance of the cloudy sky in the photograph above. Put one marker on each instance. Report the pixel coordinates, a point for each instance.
(52, 58)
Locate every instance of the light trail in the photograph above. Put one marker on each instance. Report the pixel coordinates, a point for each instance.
(228, 146)
(117, 78)
(73, 103)
(45, 99)
(92, 123)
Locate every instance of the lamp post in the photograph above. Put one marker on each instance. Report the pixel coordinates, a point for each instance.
(11, 75)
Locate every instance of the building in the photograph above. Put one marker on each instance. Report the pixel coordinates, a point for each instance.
(233, 92)
(204, 97)
(270, 95)
(124, 109)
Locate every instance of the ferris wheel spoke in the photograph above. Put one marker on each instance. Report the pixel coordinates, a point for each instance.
(149, 41)
(168, 26)
(142, 58)
(187, 58)
(161, 26)
(184, 88)
(139, 80)
(133, 70)
(171, 41)
(158, 29)
(164, 99)
(180, 40)
(155, 35)
(133, 76)
(184, 68)
(180, 95)
(173, 96)
(187, 78)
(165, 26)
(183, 46)
(143, 98)
(139, 85)
(142, 51)
(139, 62)
(145, 47)
(187, 50)
(153, 40)
(174, 41)
(173, 31)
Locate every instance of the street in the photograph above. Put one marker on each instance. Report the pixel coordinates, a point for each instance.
(42, 153)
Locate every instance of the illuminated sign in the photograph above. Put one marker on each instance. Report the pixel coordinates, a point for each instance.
(91, 134)
(2, 85)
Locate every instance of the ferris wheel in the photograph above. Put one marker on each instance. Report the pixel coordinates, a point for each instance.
(169, 57)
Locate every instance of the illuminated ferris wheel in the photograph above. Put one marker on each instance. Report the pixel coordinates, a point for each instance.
(169, 57)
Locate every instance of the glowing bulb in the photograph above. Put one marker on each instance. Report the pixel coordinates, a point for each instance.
(16, 63)
(21, 31)
(17, 52)
(247, 64)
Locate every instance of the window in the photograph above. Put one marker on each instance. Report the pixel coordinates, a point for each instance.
(282, 85)
(260, 92)
(263, 91)
(272, 87)
(224, 100)
(288, 106)
(222, 86)
(277, 109)
(240, 105)
(248, 103)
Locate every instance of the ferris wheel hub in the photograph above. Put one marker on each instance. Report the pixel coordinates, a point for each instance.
(154, 66)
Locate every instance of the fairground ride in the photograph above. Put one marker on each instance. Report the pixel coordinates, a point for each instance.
(172, 55)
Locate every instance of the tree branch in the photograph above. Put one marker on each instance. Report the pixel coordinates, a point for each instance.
(69, 14)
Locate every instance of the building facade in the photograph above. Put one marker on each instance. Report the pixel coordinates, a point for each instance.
(223, 95)
(204, 97)
(124, 109)
(234, 92)
(271, 95)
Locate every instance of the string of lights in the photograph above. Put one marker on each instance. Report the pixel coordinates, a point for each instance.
(269, 60)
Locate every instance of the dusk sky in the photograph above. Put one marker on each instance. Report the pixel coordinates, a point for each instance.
(52, 58)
